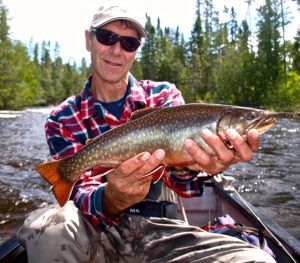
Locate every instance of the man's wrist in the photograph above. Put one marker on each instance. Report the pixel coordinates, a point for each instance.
(112, 208)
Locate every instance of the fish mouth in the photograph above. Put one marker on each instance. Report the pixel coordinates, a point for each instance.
(263, 124)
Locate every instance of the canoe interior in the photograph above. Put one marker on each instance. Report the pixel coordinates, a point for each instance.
(220, 198)
(214, 203)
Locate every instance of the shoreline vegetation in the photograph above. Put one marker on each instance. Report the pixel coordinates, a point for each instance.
(12, 113)
(217, 64)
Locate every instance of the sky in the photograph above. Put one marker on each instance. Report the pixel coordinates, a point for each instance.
(64, 21)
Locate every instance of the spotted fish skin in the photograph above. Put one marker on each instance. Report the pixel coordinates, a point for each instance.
(157, 128)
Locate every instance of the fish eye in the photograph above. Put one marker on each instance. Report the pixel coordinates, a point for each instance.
(251, 115)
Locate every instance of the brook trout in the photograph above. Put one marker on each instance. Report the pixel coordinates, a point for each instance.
(151, 129)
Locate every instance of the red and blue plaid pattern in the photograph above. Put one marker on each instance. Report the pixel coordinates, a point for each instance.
(66, 134)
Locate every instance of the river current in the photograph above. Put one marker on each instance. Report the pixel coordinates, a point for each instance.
(270, 181)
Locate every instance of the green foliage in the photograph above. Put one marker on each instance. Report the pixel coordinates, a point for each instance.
(290, 94)
(295, 52)
(137, 70)
(31, 77)
(216, 64)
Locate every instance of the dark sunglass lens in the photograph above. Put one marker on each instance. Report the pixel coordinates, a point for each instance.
(106, 37)
(130, 44)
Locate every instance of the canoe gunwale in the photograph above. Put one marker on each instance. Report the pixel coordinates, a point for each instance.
(12, 251)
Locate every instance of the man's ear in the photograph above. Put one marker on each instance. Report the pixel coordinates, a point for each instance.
(88, 40)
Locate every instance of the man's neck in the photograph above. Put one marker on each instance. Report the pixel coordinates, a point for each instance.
(108, 92)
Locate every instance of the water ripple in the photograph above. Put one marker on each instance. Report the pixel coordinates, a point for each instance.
(270, 180)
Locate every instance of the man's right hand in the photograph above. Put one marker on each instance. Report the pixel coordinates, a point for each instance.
(127, 184)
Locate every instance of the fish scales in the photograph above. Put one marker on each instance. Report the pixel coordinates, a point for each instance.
(164, 128)
(160, 129)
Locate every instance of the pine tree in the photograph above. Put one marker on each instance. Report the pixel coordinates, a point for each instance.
(296, 53)
(269, 60)
(5, 58)
(149, 52)
(196, 56)
(233, 25)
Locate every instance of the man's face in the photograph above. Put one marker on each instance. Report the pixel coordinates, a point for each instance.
(111, 63)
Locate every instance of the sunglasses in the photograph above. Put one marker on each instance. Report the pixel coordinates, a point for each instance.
(108, 38)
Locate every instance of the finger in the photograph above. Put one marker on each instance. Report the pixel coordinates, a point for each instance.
(154, 161)
(253, 139)
(157, 173)
(130, 165)
(225, 155)
(240, 145)
(196, 153)
(203, 161)
(206, 162)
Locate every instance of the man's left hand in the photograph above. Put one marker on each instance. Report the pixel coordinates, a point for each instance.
(242, 151)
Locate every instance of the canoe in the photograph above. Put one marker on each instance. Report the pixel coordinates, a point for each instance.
(220, 198)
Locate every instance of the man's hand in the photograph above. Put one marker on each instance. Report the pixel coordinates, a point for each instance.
(127, 184)
(242, 151)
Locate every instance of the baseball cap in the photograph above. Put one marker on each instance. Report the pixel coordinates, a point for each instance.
(107, 14)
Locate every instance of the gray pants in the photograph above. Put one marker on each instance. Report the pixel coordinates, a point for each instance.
(62, 234)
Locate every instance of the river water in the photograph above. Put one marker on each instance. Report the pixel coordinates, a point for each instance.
(270, 181)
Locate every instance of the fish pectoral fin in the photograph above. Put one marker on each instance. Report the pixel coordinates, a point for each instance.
(102, 169)
(62, 191)
(222, 136)
(157, 173)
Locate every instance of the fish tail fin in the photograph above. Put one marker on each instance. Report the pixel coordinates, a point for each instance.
(61, 189)
(49, 171)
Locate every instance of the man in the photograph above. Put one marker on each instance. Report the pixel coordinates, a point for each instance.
(123, 217)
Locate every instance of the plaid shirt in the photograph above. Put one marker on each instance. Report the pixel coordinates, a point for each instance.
(66, 134)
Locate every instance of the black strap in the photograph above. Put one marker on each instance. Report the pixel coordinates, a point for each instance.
(154, 209)
(86, 121)
(240, 228)
(88, 128)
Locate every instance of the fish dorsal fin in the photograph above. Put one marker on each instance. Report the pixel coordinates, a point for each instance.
(139, 113)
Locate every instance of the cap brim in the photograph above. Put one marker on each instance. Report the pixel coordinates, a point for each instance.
(139, 27)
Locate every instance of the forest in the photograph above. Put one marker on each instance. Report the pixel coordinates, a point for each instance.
(218, 63)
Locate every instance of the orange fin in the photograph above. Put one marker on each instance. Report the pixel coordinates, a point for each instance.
(139, 113)
(157, 173)
(50, 172)
(62, 191)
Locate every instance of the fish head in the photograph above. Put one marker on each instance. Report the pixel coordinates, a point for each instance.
(243, 119)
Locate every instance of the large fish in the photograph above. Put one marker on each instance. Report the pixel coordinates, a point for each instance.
(151, 129)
